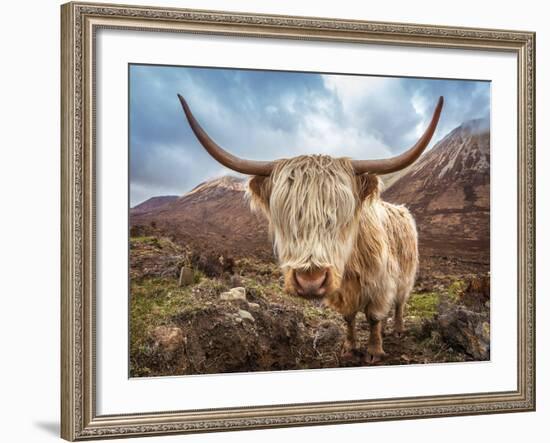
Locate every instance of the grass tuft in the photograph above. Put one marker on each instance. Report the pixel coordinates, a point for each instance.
(423, 305)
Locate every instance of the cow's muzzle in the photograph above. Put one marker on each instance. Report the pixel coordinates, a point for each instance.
(311, 283)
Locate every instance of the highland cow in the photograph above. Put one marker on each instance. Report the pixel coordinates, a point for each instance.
(333, 235)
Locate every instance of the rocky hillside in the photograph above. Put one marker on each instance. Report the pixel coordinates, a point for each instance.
(214, 215)
(153, 204)
(448, 191)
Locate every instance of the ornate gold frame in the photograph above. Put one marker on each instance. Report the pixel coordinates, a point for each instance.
(79, 22)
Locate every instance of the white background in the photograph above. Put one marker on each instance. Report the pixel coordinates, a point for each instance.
(118, 394)
(29, 180)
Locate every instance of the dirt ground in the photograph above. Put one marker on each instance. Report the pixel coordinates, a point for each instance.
(232, 316)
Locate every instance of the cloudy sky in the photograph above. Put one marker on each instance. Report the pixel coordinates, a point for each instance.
(267, 115)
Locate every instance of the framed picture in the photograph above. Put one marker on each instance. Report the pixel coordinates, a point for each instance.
(283, 221)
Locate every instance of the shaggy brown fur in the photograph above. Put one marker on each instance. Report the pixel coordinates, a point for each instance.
(323, 216)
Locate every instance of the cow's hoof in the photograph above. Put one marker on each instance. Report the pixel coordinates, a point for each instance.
(347, 355)
(372, 359)
(374, 356)
(348, 350)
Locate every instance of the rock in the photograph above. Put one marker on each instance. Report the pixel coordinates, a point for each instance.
(327, 336)
(234, 294)
(187, 276)
(253, 305)
(464, 329)
(235, 280)
(245, 315)
(168, 339)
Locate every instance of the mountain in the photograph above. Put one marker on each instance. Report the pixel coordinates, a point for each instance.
(153, 204)
(213, 216)
(448, 192)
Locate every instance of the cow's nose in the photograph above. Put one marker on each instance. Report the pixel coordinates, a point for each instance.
(311, 282)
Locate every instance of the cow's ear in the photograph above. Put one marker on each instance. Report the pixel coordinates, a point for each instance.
(259, 190)
(369, 186)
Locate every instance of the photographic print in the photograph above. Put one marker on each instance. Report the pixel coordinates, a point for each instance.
(295, 220)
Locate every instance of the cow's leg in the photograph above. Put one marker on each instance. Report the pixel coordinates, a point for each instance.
(398, 327)
(350, 341)
(375, 352)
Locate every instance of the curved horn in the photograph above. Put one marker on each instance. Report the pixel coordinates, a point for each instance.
(385, 166)
(251, 167)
